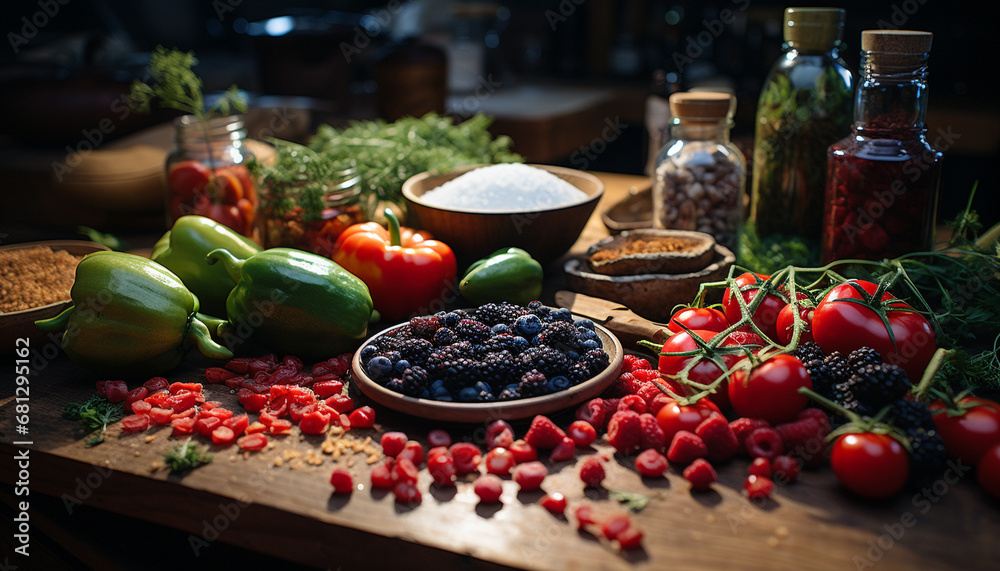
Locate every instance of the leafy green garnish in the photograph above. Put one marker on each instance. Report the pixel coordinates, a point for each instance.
(109, 240)
(767, 255)
(186, 456)
(95, 414)
(631, 500)
(178, 87)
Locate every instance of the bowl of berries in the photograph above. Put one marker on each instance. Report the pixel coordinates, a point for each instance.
(498, 361)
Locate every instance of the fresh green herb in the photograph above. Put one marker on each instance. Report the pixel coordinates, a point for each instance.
(186, 456)
(631, 500)
(767, 255)
(969, 372)
(95, 414)
(109, 240)
(178, 87)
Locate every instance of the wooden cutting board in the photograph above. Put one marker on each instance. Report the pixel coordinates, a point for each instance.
(277, 503)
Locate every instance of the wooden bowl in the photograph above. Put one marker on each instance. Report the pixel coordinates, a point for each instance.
(632, 212)
(611, 256)
(488, 412)
(652, 296)
(21, 324)
(545, 234)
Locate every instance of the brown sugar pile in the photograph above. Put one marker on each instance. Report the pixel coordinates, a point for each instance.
(33, 277)
(641, 246)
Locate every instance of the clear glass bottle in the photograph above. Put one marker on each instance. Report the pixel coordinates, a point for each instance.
(882, 181)
(207, 174)
(700, 175)
(804, 107)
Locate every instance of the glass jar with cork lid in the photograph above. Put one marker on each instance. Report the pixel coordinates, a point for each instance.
(700, 175)
(882, 182)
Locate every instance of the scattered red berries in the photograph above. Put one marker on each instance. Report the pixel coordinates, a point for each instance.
(719, 438)
(499, 461)
(582, 432)
(758, 487)
(544, 433)
(760, 467)
(564, 451)
(651, 463)
(441, 466)
(624, 431)
(412, 451)
(701, 474)
(686, 448)
(466, 456)
(523, 452)
(393, 443)
(489, 488)
(341, 481)
(530, 475)
(499, 434)
(592, 471)
(438, 438)
(786, 469)
(765, 443)
(555, 503)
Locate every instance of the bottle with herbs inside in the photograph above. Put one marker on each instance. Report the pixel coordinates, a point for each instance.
(700, 175)
(882, 181)
(804, 107)
(308, 200)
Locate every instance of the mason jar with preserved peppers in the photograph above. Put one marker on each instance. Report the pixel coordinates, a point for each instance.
(700, 176)
(207, 174)
(882, 181)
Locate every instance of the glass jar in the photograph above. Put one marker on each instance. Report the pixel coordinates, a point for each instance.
(207, 174)
(804, 107)
(882, 181)
(700, 176)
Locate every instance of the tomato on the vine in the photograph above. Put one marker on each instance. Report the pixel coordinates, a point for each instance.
(705, 371)
(848, 318)
(786, 323)
(703, 318)
(674, 417)
(968, 435)
(766, 315)
(988, 473)
(770, 390)
(870, 464)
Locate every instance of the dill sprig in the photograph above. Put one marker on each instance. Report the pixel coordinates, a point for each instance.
(95, 415)
(186, 456)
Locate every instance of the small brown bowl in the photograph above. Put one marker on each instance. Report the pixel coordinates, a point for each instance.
(636, 252)
(21, 324)
(652, 296)
(633, 212)
(545, 234)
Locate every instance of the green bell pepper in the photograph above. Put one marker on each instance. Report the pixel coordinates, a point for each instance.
(183, 248)
(509, 274)
(130, 317)
(295, 302)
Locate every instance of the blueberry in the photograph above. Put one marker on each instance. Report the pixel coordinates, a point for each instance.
(439, 391)
(520, 344)
(534, 304)
(367, 352)
(379, 367)
(482, 387)
(587, 334)
(588, 344)
(586, 324)
(436, 385)
(558, 383)
(446, 397)
(401, 366)
(500, 329)
(511, 387)
(468, 394)
(572, 355)
(536, 340)
(528, 325)
(562, 314)
(425, 394)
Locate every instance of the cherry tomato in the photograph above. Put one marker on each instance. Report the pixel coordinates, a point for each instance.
(786, 323)
(967, 436)
(770, 390)
(840, 324)
(188, 178)
(674, 417)
(766, 315)
(705, 371)
(870, 465)
(703, 318)
(988, 472)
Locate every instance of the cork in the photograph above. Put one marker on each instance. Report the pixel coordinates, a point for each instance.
(708, 105)
(896, 49)
(814, 29)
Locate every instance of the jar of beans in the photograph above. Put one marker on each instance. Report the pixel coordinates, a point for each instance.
(700, 175)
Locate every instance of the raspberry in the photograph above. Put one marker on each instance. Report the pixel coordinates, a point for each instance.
(631, 538)
(412, 451)
(393, 443)
(382, 475)
(719, 438)
(466, 456)
(805, 439)
(592, 411)
(632, 402)
(405, 471)
(615, 525)
(591, 471)
(438, 438)
(686, 447)
(624, 431)
(647, 375)
(761, 467)
(658, 402)
(555, 503)
(406, 493)
(701, 474)
(651, 463)
(786, 469)
(488, 487)
(819, 415)
(742, 427)
(523, 452)
(584, 516)
(499, 434)
(758, 487)
(529, 476)
(632, 362)
(648, 393)
(582, 433)
(341, 481)
(564, 451)
(499, 461)
(544, 433)
(765, 443)
(653, 437)
(442, 468)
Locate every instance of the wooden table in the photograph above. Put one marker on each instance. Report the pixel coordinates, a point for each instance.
(274, 508)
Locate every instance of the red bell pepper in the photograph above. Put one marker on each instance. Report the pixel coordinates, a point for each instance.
(404, 270)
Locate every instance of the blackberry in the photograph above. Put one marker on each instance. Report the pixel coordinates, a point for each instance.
(395, 384)
(453, 364)
(387, 343)
(415, 381)
(545, 359)
(822, 378)
(472, 330)
(499, 313)
(543, 312)
(861, 358)
(560, 333)
(510, 393)
(808, 351)
(393, 356)
(596, 360)
(504, 342)
(578, 372)
(910, 415)
(927, 454)
(496, 368)
(445, 336)
(837, 364)
(533, 383)
(879, 385)
(424, 327)
(416, 350)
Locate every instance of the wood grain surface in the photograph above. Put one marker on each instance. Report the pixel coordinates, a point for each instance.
(278, 502)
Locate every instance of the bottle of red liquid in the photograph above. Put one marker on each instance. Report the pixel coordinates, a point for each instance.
(882, 180)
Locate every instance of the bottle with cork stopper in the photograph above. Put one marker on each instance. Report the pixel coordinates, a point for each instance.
(700, 175)
(882, 180)
(804, 107)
